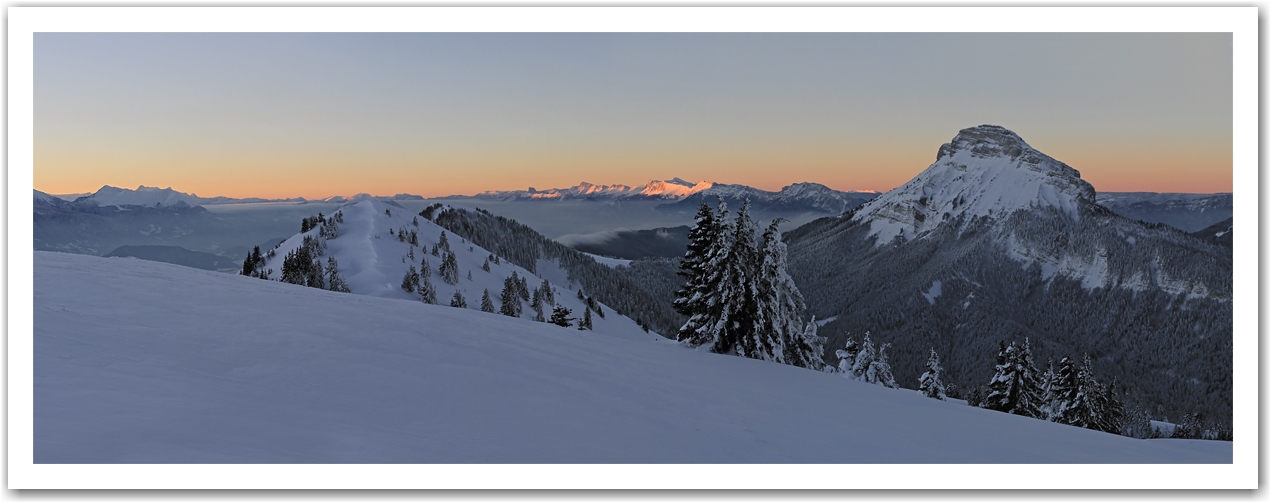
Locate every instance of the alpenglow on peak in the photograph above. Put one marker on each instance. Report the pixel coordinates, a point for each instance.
(985, 171)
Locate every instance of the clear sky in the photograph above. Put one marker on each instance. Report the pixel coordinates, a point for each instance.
(315, 115)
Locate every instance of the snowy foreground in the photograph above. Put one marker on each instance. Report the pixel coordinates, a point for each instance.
(143, 362)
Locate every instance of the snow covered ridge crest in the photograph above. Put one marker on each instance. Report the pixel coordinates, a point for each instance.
(985, 171)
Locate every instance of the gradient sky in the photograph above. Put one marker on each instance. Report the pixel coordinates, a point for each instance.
(315, 115)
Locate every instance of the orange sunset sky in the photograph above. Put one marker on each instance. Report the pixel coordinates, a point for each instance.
(315, 115)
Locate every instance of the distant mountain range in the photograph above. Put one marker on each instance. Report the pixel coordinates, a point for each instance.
(1187, 211)
(685, 196)
(672, 189)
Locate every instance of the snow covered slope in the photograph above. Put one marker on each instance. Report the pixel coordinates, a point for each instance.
(142, 362)
(374, 261)
(986, 171)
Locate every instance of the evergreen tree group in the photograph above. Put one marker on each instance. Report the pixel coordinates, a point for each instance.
(866, 363)
(1071, 395)
(737, 295)
(254, 265)
(303, 265)
(1078, 399)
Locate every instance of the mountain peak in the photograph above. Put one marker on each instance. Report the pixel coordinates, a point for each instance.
(985, 141)
(985, 171)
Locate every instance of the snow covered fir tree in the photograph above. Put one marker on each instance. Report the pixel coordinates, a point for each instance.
(737, 295)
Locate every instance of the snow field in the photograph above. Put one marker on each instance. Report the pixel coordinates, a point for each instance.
(143, 362)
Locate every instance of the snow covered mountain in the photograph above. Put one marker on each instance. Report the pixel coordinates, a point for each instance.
(997, 241)
(985, 172)
(142, 196)
(143, 362)
(163, 197)
(674, 188)
(1187, 211)
(687, 196)
(379, 242)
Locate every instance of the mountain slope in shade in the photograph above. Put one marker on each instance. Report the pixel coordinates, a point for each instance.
(995, 241)
(142, 362)
(791, 200)
(1222, 233)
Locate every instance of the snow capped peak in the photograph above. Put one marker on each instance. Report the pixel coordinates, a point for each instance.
(985, 171)
(675, 188)
(142, 196)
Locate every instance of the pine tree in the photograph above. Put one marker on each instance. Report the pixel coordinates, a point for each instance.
(1049, 379)
(335, 282)
(585, 324)
(487, 305)
(522, 286)
(847, 357)
(931, 385)
(536, 305)
(410, 281)
(807, 350)
(427, 293)
(510, 298)
(560, 316)
(444, 244)
(781, 307)
(880, 371)
(689, 300)
(1109, 414)
(449, 269)
(739, 294)
(1015, 389)
(709, 311)
(548, 294)
(253, 262)
(458, 301)
(1065, 391)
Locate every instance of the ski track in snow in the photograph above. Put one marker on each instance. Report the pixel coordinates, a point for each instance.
(144, 362)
